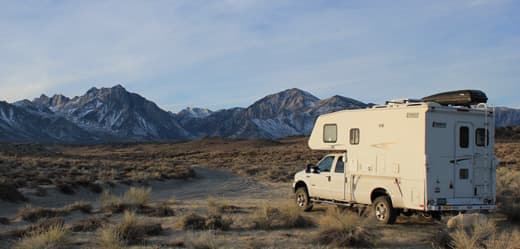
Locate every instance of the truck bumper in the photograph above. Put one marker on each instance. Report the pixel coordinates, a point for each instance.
(460, 207)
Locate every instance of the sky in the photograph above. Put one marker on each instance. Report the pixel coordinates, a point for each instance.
(229, 53)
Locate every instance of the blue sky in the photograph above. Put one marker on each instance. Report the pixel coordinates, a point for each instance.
(221, 54)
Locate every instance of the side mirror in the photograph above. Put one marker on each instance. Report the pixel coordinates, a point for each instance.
(309, 167)
(315, 170)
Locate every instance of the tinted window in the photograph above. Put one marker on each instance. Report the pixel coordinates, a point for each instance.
(325, 164)
(481, 137)
(354, 136)
(330, 133)
(340, 166)
(464, 137)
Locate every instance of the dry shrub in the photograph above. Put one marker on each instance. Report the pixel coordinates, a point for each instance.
(508, 193)
(291, 217)
(264, 218)
(133, 199)
(287, 216)
(10, 193)
(217, 222)
(193, 222)
(110, 238)
(477, 236)
(41, 225)
(503, 240)
(137, 197)
(109, 201)
(345, 229)
(31, 214)
(160, 210)
(472, 237)
(133, 230)
(34, 214)
(212, 222)
(202, 240)
(88, 224)
(54, 237)
(82, 206)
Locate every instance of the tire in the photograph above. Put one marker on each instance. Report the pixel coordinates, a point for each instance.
(383, 210)
(302, 199)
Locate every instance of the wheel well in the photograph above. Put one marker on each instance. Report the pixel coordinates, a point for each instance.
(378, 192)
(300, 184)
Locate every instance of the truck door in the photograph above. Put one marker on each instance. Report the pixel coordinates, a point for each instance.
(464, 160)
(337, 180)
(320, 181)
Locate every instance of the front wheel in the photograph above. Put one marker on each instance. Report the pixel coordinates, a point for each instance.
(383, 210)
(302, 199)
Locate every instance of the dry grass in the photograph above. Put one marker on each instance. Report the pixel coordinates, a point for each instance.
(137, 197)
(285, 216)
(54, 237)
(88, 224)
(202, 240)
(345, 229)
(508, 193)
(212, 222)
(133, 229)
(34, 214)
(484, 236)
(133, 199)
(110, 238)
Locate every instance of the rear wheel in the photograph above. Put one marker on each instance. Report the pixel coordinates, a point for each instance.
(383, 210)
(302, 199)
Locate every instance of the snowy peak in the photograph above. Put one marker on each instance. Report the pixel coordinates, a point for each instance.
(55, 102)
(291, 100)
(336, 103)
(195, 112)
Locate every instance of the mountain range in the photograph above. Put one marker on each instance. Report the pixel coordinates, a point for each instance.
(116, 115)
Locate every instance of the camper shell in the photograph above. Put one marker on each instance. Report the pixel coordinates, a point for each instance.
(420, 156)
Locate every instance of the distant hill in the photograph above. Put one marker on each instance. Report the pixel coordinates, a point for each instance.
(509, 133)
(116, 115)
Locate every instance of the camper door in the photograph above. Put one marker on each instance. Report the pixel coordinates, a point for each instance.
(463, 160)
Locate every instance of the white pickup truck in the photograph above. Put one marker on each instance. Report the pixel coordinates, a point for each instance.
(404, 157)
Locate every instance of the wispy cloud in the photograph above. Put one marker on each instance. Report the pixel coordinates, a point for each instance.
(220, 54)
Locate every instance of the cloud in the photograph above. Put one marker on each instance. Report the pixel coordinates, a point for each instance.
(228, 53)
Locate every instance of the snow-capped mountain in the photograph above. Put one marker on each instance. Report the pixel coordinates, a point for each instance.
(114, 114)
(287, 113)
(23, 123)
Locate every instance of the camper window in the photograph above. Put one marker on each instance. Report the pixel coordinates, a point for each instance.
(464, 137)
(330, 133)
(481, 137)
(340, 166)
(354, 136)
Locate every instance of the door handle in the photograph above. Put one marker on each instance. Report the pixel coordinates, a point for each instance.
(328, 177)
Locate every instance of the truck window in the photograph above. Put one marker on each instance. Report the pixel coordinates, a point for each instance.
(354, 136)
(325, 164)
(481, 137)
(464, 137)
(340, 165)
(330, 133)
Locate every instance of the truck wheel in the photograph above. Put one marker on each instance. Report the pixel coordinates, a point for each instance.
(383, 210)
(302, 200)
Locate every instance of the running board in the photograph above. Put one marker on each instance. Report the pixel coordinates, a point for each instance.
(332, 202)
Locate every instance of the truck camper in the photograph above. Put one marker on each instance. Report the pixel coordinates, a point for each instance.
(407, 156)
